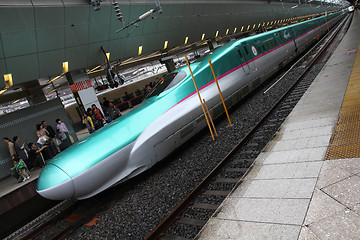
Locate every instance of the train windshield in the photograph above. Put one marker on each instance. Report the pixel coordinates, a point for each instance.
(166, 83)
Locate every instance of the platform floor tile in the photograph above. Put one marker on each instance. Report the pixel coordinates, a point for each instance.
(343, 224)
(291, 156)
(276, 188)
(223, 229)
(287, 170)
(279, 211)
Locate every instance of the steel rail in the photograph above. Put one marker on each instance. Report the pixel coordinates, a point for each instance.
(186, 202)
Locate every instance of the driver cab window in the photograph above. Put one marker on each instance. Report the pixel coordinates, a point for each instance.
(167, 82)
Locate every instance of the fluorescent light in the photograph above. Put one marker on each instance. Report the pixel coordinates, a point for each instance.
(65, 67)
(15, 102)
(8, 80)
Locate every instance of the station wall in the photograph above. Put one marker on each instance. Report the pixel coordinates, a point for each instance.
(23, 123)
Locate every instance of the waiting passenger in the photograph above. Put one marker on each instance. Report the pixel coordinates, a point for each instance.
(89, 123)
(114, 112)
(90, 113)
(99, 117)
(35, 155)
(20, 168)
(60, 125)
(65, 141)
(42, 134)
(106, 104)
(22, 152)
(44, 139)
(52, 136)
(11, 146)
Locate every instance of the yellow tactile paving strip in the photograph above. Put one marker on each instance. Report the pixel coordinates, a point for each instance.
(345, 141)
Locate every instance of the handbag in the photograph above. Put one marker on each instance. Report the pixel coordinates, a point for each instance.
(58, 142)
(42, 140)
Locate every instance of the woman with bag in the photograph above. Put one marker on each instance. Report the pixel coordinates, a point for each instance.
(89, 123)
(44, 140)
(42, 135)
(99, 117)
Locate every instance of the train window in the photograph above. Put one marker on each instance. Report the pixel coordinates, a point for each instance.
(271, 44)
(259, 49)
(263, 48)
(166, 83)
(246, 51)
(267, 46)
(178, 78)
(275, 43)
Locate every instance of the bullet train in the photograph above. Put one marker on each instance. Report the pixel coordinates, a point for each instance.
(171, 114)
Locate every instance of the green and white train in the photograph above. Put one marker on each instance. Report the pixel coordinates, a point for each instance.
(172, 113)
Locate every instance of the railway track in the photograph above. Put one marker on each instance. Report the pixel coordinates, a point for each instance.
(203, 200)
(65, 218)
(234, 166)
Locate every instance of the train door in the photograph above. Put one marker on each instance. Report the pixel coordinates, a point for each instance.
(292, 36)
(244, 54)
(250, 52)
(245, 66)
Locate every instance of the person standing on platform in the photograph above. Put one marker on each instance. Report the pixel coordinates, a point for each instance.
(20, 168)
(22, 152)
(52, 136)
(11, 146)
(35, 156)
(89, 123)
(99, 117)
(106, 105)
(44, 139)
(65, 141)
(61, 126)
(114, 111)
(42, 134)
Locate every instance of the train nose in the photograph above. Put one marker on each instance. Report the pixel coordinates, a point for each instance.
(54, 183)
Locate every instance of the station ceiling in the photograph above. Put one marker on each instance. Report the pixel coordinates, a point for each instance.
(37, 36)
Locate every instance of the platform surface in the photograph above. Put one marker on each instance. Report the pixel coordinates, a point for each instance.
(306, 182)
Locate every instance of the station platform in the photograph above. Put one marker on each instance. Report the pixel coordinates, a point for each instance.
(306, 182)
(13, 194)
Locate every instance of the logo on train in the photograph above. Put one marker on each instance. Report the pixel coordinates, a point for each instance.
(254, 50)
